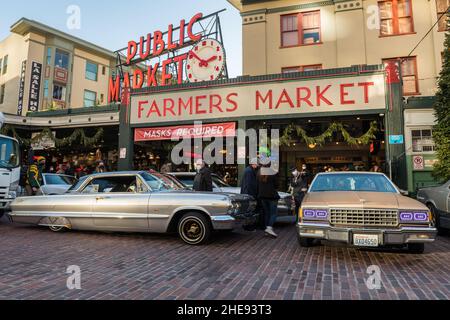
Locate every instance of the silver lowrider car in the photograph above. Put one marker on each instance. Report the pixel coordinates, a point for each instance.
(363, 209)
(136, 202)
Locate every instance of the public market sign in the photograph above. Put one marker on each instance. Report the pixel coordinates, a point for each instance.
(261, 99)
(186, 132)
(204, 62)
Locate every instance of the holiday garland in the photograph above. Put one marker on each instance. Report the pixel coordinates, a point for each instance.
(292, 129)
(78, 136)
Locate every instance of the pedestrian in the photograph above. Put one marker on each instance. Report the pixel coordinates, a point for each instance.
(268, 194)
(203, 179)
(69, 169)
(375, 168)
(81, 171)
(166, 168)
(34, 176)
(60, 169)
(249, 186)
(299, 186)
(101, 168)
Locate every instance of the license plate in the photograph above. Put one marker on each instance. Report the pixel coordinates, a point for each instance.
(366, 240)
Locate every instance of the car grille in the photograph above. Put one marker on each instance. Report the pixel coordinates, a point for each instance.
(364, 217)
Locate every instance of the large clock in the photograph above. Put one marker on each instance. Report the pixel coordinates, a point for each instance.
(206, 61)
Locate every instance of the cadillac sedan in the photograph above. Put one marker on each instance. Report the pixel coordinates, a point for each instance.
(364, 210)
(136, 202)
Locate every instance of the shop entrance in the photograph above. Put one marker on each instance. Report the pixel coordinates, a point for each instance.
(341, 150)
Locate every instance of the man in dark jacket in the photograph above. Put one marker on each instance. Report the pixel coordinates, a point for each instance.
(299, 186)
(249, 184)
(203, 179)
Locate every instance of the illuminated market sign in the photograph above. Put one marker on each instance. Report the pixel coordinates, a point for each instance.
(158, 59)
(261, 99)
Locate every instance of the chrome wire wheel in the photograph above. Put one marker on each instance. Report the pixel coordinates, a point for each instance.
(194, 229)
(57, 228)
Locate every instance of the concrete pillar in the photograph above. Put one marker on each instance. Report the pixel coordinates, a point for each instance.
(126, 140)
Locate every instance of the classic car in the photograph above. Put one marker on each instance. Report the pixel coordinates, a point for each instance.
(364, 210)
(437, 199)
(54, 184)
(136, 202)
(286, 205)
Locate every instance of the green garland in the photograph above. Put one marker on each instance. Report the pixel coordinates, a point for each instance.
(78, 136)
(365, 139)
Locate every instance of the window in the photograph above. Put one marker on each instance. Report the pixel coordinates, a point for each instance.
(422, 140)
(302, 68)
(395, 17)
(2, 94)
(59, 92)
(300, 29)
(46, 85)
(5, 64)
(59, 180)
(360, 182)
(442, 6)
(91, 71)
(102, 98)
(126, 184)
(61, 59)
(49, 56)
(1, 60)
(409, 74)
(89, 98)
(103, 70)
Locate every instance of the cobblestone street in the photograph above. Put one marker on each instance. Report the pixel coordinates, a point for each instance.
(234, 266)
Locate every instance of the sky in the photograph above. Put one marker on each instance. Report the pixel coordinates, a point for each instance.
(111, 23)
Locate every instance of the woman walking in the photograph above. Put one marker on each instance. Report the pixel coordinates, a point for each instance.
(268, 195)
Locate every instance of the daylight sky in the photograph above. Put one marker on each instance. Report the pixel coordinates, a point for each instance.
(111, 23)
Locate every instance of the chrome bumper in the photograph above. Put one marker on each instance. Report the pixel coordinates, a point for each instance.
(402, 235)
(228, 222)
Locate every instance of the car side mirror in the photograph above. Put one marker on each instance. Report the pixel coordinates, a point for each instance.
(404, 193)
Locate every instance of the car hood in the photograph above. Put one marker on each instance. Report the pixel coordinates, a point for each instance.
(361, 200)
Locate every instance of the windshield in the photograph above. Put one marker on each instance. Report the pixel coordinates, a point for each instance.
(219, 182)
(59, 180)
(9, 153)
(352, 182)
(159, 182)
(78, 184)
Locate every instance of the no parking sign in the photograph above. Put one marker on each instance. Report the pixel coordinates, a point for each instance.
(418, 163)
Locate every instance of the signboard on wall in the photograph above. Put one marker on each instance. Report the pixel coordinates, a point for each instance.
(261, 99)
(23, 70)
(192, 131)
(45, 142)
(35, 86)
(419, 163)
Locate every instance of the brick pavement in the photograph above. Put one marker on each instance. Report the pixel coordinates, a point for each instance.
(234, 266)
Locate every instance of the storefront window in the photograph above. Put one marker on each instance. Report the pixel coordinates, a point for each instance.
(409, 74)
(46, 84)
(302, 68)
(442, 6)
(90, 98)
(91, 71)
(5, 64)
(59, 92)
(300, 29)
(395, 17)
(49, 56)
(422, 140)
(61, 59)
(2, 94)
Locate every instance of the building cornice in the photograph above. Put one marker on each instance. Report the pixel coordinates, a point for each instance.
(291, 8)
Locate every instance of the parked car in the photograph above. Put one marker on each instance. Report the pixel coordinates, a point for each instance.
(136, 202)
(437, 199)
(364, 210)
(286, 205)
(54, 184)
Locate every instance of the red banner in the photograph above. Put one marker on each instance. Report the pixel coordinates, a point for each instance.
(186, 132)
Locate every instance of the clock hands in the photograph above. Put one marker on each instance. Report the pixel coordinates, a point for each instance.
(203, 63)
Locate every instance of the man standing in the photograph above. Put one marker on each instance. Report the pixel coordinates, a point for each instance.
(34, 176)
(203, 179)
(249, 185)
(299, 186)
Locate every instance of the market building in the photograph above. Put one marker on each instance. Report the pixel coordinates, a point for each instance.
(55, 83)
(289, 36)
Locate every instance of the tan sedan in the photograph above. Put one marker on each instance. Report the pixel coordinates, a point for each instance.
(365, 210)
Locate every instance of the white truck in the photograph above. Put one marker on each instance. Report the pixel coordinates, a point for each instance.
(9, 169)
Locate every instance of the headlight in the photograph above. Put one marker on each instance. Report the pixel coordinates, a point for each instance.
(14, 186)
(234, 208)
(411, 216)
(12, 195)
(314, 214)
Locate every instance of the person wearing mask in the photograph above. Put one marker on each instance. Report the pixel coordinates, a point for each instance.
(299, 186)
(203, 179)
(249, 185)
(34, 176)
(268, 195)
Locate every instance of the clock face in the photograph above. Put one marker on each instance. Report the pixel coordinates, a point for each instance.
(205, 61)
